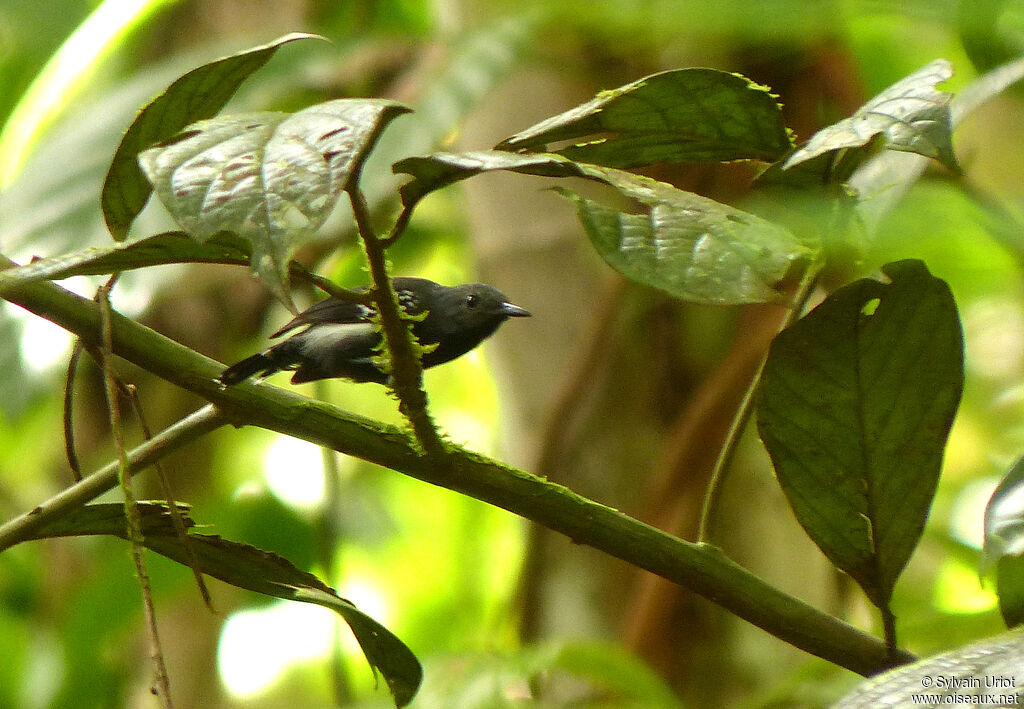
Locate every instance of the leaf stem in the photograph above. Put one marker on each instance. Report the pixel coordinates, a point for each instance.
(398, 228)
(712, 499)
(889, 630)
(70, 451)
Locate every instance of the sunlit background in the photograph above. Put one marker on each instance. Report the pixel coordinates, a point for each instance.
(590, 391)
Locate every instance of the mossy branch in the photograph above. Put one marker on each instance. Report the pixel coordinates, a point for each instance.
(701, 568)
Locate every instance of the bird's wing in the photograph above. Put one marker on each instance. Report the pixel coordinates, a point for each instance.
(328, 311)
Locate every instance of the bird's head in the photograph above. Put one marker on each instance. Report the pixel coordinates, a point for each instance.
(478, 306)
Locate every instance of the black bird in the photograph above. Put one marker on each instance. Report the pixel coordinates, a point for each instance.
(340, 339)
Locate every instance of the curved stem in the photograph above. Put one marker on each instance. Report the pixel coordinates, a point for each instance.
(712, 498)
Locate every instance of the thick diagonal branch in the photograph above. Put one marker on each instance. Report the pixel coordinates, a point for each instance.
(701, 568)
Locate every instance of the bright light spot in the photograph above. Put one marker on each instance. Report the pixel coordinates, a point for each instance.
(45, 670)
(294, 470)
(66, 71)
(257, 646)
(369, 600)
(79, 285)
(967, 518)
(958, 589)
(132, 295)
(468, 430)
(43, 344)
(995, 331)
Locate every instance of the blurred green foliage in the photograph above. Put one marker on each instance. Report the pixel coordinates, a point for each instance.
(444, 572)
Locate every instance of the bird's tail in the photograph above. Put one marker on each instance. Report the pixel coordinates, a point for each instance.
(263, 364)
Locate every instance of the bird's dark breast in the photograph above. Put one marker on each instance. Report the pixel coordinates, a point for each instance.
(453, 346)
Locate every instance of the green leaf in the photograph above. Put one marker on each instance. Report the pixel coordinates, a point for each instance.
(432, 172)
(991, 666)
(110, 519)
(246, 567)
(681, 115)
(911, 115)
(1010, 588)
(883, 180)
(166, 248)
(690, 246)
(273, 178)
(1004, 543)
(854, 407)
(199, 94)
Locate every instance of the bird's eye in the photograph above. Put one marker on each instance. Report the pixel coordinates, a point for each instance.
(471, 300)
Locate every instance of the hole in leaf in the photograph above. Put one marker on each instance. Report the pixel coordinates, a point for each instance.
(870, 307)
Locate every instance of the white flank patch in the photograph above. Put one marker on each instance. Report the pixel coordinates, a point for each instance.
(319, 337)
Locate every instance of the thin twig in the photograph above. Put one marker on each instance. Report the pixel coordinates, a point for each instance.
(163, 686)
(328, 286)
(709, 511)
(175, 436)
(327, 525)
(176, 518)
(69, 399)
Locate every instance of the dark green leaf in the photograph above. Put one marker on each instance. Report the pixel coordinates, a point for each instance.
(690, 246)
(911, 114)
(1010, 588)
(432, 172)
(680, 115)
(991, 662)
(170, 247)
(199, 94)
(855, 406)
(246, 567)
(110, 519)
(272, 177)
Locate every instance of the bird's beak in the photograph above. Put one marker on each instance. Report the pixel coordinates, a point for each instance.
(514, 311)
